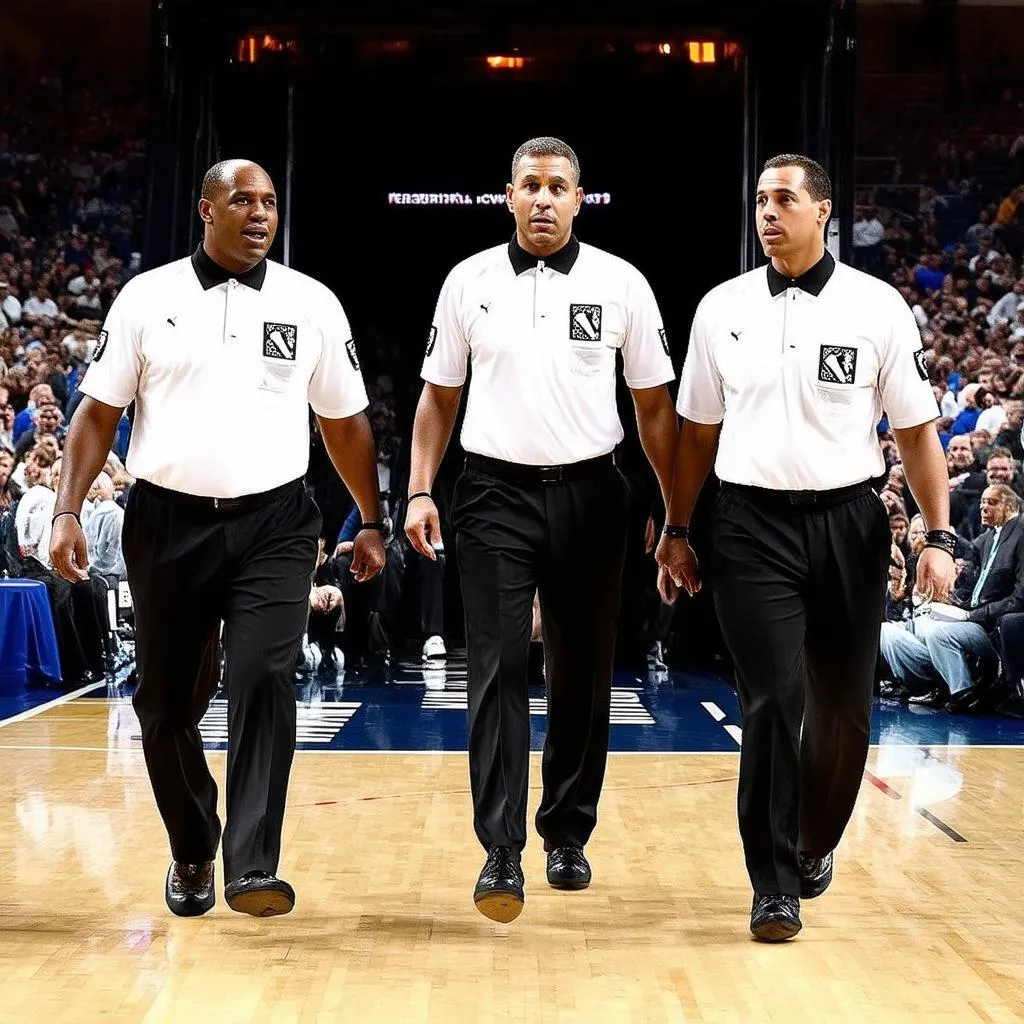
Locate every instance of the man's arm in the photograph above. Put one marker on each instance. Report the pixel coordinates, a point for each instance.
(659, 431)
(695, 454)
(349, 443)
(928, 479)
(86, 448)
(927, 476)
(431, 432)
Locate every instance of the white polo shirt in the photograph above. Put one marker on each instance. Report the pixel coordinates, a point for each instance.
(799, 373)
(541, 337)
(223, 369)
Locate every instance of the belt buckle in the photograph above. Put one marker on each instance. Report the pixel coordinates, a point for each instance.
(803, 498)
(551, 474)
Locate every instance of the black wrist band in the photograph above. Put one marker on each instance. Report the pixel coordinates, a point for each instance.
(418, 494)
(68, 513)
(944, 540)
(379, 527)
(676, 531)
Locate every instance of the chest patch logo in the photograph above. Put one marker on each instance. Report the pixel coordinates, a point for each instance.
(837, 364)
(584, 322)
(280, 341)
(431, 339)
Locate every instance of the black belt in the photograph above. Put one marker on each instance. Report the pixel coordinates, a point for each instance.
(517, 473)
(795, 501)
(242, 503)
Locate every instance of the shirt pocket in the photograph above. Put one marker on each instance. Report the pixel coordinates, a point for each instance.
(596, 333)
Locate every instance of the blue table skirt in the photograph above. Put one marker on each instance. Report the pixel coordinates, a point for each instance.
(28, 641)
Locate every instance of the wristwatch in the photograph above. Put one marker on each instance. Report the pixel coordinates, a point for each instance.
(676, 531)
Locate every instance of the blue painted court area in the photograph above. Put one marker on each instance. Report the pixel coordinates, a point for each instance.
(410, 707)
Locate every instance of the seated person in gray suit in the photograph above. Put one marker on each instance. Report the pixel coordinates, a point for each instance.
(937, 651)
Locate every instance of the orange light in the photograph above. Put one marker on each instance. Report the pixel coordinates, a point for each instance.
(731, 50)
(701, 52)
(505, 62)
(252, 49)
(665, 49)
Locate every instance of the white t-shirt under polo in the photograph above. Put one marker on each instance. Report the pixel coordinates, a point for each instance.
(799, 374)
(541, 337)
(223, 369)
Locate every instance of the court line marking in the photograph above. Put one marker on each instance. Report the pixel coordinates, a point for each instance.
(40, 708)
(713, 710)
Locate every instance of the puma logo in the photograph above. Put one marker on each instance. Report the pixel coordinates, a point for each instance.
(486, 308)
(736, 334)
(171, 320)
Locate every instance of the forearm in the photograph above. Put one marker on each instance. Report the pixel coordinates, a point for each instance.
(431, 432)
(695, 454)
(86, 449)
(658, 426)
(927, 476)
(349, 443)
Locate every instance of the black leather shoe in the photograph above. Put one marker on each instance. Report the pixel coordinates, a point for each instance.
(189, 889)
(937, 698)
(499, 889)
(892, 690)
(775, 918)
(568, 868)
(259, 894)
(815, 875)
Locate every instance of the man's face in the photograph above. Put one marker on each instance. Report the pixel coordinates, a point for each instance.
(243, 217)
(999, 470)
(994, 510)
(49, 420)
(960, 453)
(916, 535)
(898, 526)
(6, 466)
(789, 222)
(544, 199)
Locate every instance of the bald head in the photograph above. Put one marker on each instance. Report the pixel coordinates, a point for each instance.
(104, 487)
(220, 177)
(239, 211)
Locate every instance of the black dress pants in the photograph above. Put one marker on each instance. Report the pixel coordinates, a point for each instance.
(800, 595)
(515, 533)
(190, 567)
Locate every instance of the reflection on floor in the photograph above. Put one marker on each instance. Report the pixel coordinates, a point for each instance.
(422, 706)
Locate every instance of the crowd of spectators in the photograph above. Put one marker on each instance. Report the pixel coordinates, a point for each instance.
(72, 181)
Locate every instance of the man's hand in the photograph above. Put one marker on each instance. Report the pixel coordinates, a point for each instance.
(677, 564)
(367, 555)
(68, 552)
(423, 526)
(936, 574)
(649, 536)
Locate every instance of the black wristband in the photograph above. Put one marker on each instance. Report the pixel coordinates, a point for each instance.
(379, 527)
(418, 494)
(944, 540)
(67, 513)
(676, 531)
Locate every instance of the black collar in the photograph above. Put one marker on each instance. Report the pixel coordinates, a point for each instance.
(811, 281)
(211, 273)
(562, 260)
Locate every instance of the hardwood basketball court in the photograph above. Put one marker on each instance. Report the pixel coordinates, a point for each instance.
(924, 921)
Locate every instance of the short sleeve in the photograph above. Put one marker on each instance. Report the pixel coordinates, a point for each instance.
(113, 375)
(646, 361)
(906, 392)
(701, 396)
(447, 355)
(336, 389)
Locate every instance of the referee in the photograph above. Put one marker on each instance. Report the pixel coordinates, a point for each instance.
(541, 504)
(788, 371)
(223, 353)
